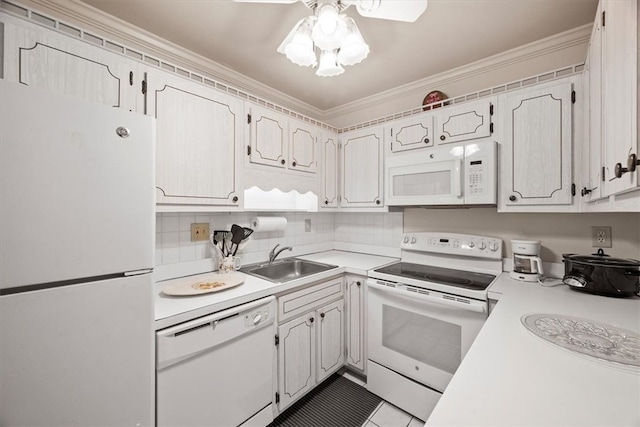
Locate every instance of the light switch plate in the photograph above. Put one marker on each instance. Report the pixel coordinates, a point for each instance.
(199, 231)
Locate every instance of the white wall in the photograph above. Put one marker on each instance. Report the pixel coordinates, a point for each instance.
(559, 233)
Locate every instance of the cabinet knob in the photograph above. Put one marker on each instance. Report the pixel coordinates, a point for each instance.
(426, 140)
(585, 191)
(442, 137)
(322, 315)
(513, 198)
(293, 164)
(311, 319)
(619, 170)
(358, 283)
(282, 161)
(235, 199)
(326, 202)
(377, 202)
(632, 162)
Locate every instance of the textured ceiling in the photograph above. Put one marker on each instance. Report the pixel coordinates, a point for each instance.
(451, 33)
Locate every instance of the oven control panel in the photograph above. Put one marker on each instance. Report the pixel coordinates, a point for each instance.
(453, 243)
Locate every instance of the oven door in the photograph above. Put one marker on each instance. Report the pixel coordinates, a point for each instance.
(418, 333)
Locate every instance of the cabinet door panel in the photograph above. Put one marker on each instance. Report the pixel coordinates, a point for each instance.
(412, 133)
(46, 60)
(355, 322)
(620, 74)
(329, 144)
(362, 173)
(268, 137)
(538, 146)
(302, 150)
(330, 339)
(464, 122)
(198, 135)
(593, 76)
(296, 358)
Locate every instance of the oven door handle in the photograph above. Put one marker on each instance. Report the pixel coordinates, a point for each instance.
(469, 305)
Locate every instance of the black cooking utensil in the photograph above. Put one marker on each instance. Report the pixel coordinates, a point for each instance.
(238, 235)
(218, 237)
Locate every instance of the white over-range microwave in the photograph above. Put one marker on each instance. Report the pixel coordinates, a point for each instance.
(462, 174)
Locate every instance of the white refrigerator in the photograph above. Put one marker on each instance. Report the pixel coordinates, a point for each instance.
(77, 228)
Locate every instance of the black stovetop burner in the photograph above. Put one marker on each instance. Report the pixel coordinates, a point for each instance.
(444, 276)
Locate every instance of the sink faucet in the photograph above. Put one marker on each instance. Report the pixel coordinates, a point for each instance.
(273, 254)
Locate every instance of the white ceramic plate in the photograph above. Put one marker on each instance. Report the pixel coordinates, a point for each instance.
(213, 283)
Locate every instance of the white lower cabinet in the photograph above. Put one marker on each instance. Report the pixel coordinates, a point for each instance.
(311, 345)
(355, 322)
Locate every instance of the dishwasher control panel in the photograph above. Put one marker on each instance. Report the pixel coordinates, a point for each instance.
(257, 316)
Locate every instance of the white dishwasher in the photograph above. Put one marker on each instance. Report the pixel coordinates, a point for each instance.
(217, 370)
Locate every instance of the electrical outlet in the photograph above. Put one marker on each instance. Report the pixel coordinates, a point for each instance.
(307, 225)
(199, 231)
(601, 237)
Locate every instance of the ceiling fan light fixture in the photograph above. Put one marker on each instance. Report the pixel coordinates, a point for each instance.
(353, 48)
(329, 65)
(329, 29)
(299, 49)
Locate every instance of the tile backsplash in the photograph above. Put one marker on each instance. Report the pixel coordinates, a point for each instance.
(174, 245)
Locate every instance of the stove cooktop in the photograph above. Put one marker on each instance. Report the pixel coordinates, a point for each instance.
(444, 276)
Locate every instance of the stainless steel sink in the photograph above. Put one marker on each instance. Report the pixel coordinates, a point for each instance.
(286, 270)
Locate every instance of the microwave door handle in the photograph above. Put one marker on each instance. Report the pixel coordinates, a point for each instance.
(456, 184)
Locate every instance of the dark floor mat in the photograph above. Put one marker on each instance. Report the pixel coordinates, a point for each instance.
(337, 402)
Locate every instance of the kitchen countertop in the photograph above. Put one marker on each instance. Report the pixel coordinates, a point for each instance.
(511, 377)
(170, 310)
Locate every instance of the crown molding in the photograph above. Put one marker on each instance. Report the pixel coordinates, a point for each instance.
(90, 18)
(576, 36)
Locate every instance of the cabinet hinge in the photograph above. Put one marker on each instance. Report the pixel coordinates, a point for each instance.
(573, 189)
(130, 78)
(248, 118)
(248, 150)
(490, 127)
(277, 339)
(573, 96)
(491, 109)
(602, 174)
(277, 397)
(603, 12)
(144, 87)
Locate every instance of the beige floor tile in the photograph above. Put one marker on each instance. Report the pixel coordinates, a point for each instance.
(389, 416)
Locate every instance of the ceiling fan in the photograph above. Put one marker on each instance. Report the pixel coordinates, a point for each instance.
(335, 34)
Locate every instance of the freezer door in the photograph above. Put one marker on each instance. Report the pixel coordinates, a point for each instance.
(78, 355)
(76, 195)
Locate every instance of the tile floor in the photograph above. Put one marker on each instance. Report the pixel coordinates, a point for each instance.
(386, 415)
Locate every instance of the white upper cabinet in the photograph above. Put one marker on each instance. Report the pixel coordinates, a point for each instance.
(619, 93)
(47, 60)
(282, 142)
(329, 191)
(362, 168)
(412, 133)
(537, 139)
(269, 136)
(470, 120)
(199, 134)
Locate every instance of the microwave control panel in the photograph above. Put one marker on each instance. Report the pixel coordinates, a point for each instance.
(453, 243)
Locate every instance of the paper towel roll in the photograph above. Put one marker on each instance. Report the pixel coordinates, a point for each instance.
(268, 223)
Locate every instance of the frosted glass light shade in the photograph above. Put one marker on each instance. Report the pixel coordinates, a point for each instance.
(329, 29)
(353, 49)
(299, 49)
(329, 64)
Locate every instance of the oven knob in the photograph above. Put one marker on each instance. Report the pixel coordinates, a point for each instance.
(413, 239)
(493, 246)
(406, 239)
(471, 244)
(482, 245)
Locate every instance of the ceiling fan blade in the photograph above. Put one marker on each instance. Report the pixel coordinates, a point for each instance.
(394, 10)
(266, 1)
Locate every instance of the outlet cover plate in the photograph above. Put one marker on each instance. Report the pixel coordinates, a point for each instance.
(601, 237)
(199, 231)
